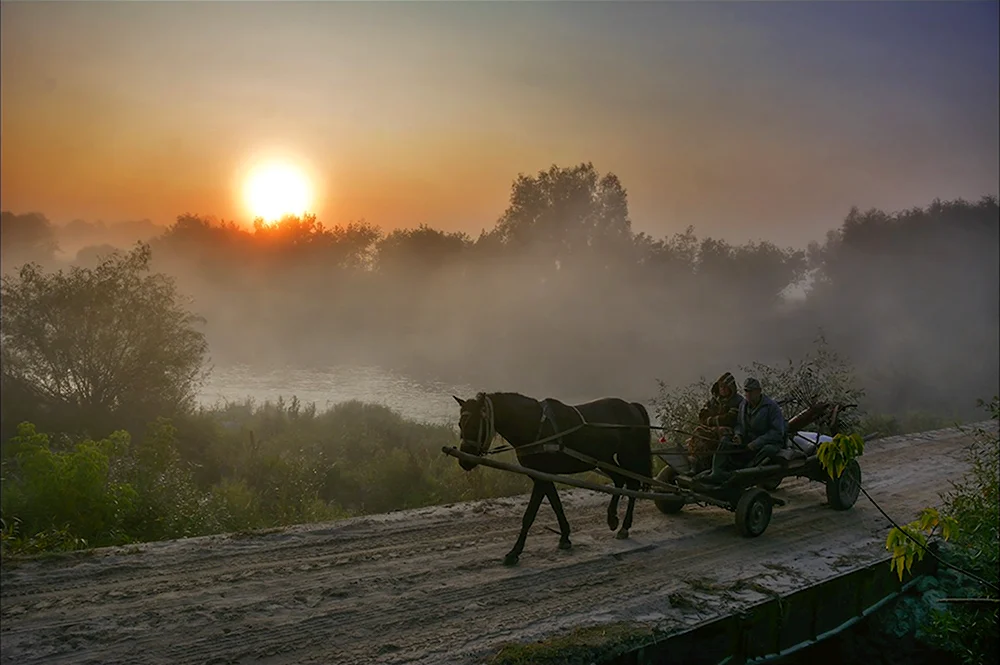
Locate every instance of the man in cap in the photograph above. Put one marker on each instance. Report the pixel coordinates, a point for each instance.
(759, 433)
(760, 423)
(716, 421)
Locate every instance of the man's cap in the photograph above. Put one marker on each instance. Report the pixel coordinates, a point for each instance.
(751, 384)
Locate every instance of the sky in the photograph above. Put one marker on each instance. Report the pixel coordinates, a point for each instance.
(748, 120)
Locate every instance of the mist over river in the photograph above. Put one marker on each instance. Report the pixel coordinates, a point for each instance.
(424, 400)
(421, 400)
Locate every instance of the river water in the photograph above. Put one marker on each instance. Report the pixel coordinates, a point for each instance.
(421, 400)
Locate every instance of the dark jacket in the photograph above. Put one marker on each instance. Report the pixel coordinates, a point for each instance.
(719, 412)
(761, 426)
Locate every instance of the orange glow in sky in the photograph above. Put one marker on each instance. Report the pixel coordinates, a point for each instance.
(746, 120)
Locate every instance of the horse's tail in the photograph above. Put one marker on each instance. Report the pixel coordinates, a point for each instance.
(643, 446)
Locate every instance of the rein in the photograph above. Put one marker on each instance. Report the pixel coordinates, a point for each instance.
(553, 437)
(491, 427)
(559, 435)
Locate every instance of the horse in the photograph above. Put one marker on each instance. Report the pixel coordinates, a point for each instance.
(522, 421)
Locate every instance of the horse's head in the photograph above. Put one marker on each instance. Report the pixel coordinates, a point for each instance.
(476, 427)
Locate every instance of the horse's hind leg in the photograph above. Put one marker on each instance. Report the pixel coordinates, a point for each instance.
(553, 496)
(537, 492)
(623, 532)
(619, 482)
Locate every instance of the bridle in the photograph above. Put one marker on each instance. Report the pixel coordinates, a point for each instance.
(487, 428)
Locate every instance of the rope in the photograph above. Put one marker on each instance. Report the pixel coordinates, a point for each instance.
(557, 435)
(921, 546)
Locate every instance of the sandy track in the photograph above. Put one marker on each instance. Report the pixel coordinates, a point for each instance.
(427, 586)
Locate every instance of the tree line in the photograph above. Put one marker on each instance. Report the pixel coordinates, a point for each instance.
(561, 295)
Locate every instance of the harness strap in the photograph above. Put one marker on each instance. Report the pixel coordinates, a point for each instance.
(549, 414)
(487, 427)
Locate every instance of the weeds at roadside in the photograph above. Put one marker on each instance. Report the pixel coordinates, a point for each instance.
(594, 644)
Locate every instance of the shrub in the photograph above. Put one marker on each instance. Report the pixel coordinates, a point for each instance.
(819, 376)
(970, 523)
(823, 375)
(971, 630)
(74, 491)
(92, 349)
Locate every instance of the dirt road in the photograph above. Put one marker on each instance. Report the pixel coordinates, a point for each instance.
(427, 586)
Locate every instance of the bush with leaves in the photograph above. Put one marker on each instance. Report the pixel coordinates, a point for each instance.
(908, 543)
(358, 457)
(286, 489)
(823, 375)
(677, 408)
(969, 523)
(971, 631)
(14, 542)
(77, 491)
(168, 503)
(92, 350)
(233, 506)
(835, 455)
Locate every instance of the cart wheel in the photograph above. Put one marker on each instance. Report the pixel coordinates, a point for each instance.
(753, 512)
(671, 505)
(843, 492)
(770, 485)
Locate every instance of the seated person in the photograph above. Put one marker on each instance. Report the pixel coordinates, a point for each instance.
(716, 420)
(759, 433)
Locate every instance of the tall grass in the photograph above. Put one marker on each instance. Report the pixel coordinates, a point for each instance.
(237, 467)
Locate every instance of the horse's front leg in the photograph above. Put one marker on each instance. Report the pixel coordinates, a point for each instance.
(623, 532)
(537, 492)
(553, 496)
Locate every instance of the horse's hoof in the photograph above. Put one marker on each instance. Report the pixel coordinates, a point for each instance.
(622, 535)
(565, 544)
(510, 560)
(612, 522)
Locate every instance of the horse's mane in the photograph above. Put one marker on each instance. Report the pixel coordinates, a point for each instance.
(501, 393)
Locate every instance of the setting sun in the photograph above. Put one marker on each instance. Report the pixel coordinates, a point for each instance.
(275, 190)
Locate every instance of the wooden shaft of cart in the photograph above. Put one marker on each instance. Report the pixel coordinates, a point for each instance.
(610, 468)
(565, 480)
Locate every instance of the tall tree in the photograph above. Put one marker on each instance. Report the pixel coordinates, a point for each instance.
(95, 348)
(566, 211)
(26, 238)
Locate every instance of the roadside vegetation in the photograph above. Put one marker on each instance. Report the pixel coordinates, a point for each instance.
(253, 467)
(958, 610)
(594, 644)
